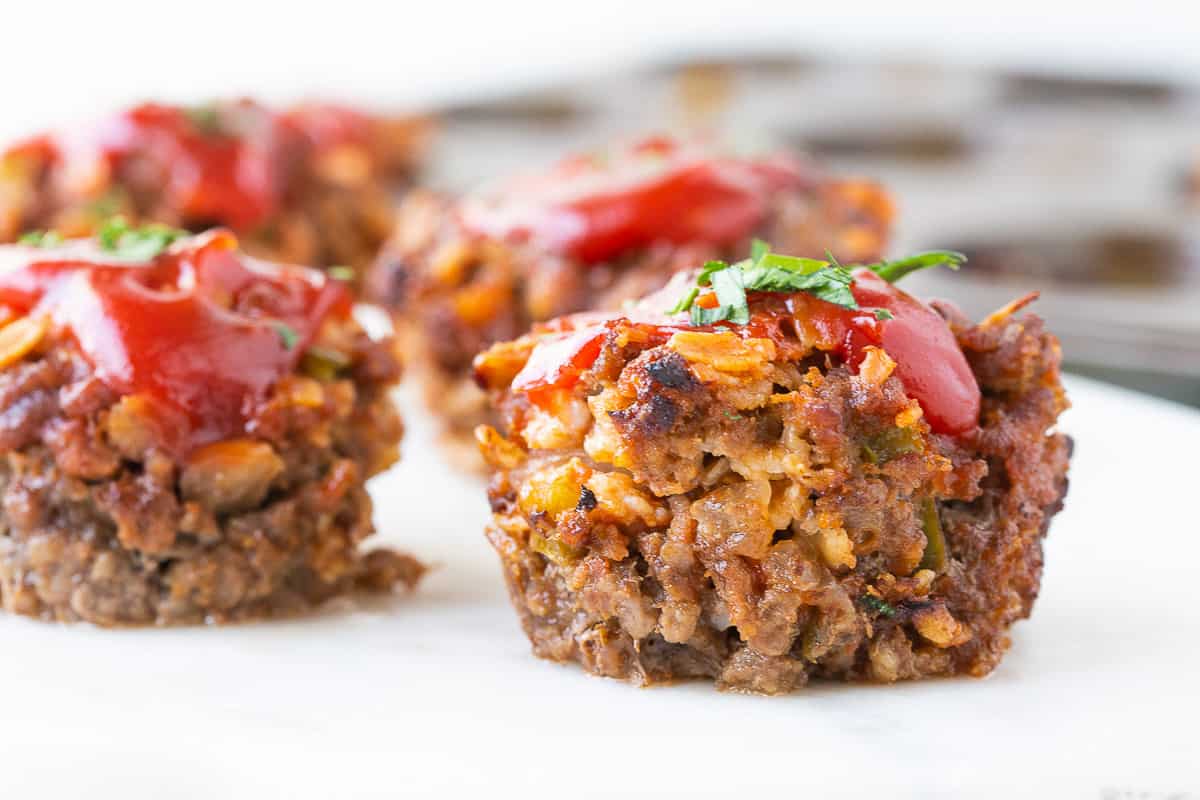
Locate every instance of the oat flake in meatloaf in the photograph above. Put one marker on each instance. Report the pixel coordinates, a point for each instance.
(185, 432)
(820, 492)
(307, 185)
(590, 233)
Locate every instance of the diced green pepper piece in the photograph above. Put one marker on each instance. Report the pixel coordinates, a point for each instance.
(553, 549)
(877, 606)
(935, 542)
(891, 443)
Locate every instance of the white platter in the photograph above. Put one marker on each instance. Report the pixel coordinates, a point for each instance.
(437, 694)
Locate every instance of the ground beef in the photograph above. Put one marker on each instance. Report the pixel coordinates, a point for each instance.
(713, 507)
(454, 293)
(97, 523)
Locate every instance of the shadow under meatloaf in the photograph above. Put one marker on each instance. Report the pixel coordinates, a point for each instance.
(311, 185)
(453, 292)
(707, 508)
(100, 522)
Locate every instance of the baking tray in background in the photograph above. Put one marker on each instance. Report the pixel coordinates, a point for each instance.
(1078, 187)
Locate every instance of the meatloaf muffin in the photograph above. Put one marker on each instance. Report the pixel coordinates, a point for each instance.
(185, 432)
(305, 186)
(590, 233)
(800, 472)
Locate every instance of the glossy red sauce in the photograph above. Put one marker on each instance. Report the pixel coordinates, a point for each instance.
(197, 330)
(928, 359)
(929, 362)
(560, 359)
(226, 164)
(656, 190)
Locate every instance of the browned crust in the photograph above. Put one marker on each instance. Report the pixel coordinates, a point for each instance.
(747, 523)
(99, 524)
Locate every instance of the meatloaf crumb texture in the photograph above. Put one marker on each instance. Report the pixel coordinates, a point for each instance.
(99, 524)
(714, 507)
(455, 293)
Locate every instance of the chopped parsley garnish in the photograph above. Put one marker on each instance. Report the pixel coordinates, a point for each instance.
(206, 119)
(685, 302)
(137, 244)
(877, 606)
(729, 285)
(765, 271)
(41, 239)
(287, 335)
(883, 314)
(892, 271)
(342, 273)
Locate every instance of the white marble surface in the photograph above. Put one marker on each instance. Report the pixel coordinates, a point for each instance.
(437, 694)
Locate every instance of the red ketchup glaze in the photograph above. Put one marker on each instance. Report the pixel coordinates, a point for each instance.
(197, 331)
(571, 345)
(656, 190)
(227, 170)
(929, 362)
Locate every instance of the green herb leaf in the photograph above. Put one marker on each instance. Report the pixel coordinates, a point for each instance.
(206, 119)
(708, 269)
(765, 271)
(758, 249)
(41, 239)
(726, 281)
(287, 335)
(892, 271)
(877, 606)
(805, 266)
(706, 316)
(137, 244)
(686, 301)
(731, 295)
(341, 272)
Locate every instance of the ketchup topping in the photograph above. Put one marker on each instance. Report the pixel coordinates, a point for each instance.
(929, 362)
(201, 331)
(226, 164)
(655, 190)
(223, 164)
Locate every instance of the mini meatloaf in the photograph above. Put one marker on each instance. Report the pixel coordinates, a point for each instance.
(185, 433)
(829, 479)
(306, 186)
(589, 234)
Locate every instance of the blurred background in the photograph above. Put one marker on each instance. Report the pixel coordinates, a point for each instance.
(1057, 144)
